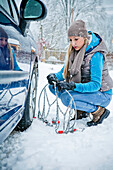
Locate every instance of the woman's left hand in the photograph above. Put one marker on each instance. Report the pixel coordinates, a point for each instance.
(63, 85)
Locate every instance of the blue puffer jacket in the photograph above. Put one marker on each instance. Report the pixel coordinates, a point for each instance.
(16, 67)
(96, 67)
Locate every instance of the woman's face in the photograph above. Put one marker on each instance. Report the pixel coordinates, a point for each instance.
(76, 42)
(3, 41)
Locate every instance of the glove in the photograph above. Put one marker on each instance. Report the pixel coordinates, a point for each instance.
(63, 85)
(52, 78)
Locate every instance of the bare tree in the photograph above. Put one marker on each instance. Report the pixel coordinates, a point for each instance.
(62, 13)
(73, 8)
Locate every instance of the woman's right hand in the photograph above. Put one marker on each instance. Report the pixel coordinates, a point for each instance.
(52, 78)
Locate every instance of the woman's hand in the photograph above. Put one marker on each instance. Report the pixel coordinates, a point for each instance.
(63, 85)
(52, 78)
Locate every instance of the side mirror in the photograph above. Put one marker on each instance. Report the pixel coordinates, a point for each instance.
(34, 10)
(31, 10)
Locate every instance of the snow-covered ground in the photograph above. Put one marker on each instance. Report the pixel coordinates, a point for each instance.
(40, 148)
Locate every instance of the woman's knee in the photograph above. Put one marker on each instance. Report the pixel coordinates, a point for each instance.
(52, 90)
(107, 101)
(65, 98)
(50, 87)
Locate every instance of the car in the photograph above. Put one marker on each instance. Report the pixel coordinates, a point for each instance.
(18, 64)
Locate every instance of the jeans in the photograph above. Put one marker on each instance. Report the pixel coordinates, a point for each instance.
(87, 102)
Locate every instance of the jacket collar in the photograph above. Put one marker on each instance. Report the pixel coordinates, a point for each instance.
(95, 41)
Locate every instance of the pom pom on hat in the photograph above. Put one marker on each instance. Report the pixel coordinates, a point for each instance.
(78, 29)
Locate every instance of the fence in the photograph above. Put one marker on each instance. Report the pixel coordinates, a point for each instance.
(58, 56)
(53, 56)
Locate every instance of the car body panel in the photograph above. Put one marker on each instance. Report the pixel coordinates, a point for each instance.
(14, 84)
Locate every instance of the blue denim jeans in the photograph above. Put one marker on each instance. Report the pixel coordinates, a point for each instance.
(87, 102)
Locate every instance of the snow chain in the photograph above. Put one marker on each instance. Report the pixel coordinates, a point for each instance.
(63, 125)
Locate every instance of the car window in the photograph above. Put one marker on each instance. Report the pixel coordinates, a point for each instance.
(4, 19)
(15, 16)
(10, 8)
(5, 5)
(7, 55)
(18, 2)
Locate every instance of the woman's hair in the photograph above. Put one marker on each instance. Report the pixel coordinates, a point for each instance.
(66, 72)
(70, 49)
(11, 57)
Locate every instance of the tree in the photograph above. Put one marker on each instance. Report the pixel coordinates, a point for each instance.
(73, 8)
(62, 13)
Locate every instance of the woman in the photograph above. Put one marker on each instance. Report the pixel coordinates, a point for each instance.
(7, 56)
(85, 74)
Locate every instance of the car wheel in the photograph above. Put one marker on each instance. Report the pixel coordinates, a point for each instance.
(30, 105)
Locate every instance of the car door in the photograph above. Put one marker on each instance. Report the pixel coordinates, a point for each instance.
(21, 48)
(18, 63)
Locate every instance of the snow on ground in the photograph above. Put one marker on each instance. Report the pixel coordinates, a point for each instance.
(40, 148)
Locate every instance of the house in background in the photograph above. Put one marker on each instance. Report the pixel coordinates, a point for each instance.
(14, 44)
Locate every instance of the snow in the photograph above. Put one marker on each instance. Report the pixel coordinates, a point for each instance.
(41, 148)
(13, 41)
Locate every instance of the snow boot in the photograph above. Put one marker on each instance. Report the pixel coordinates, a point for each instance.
(98, 116)
(80, 115)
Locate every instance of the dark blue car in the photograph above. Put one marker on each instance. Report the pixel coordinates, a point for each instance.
(18, 64)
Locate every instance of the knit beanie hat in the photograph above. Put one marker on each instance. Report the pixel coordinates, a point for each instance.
(78, 29)
(3, 33)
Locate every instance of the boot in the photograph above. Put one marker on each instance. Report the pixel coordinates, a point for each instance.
(80, 114)
(98, 116)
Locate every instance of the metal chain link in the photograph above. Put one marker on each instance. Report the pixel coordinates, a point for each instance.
(67, 125)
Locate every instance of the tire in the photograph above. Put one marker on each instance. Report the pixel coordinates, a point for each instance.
(30, 104)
